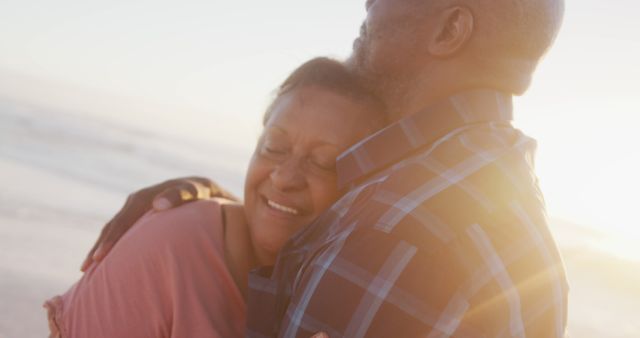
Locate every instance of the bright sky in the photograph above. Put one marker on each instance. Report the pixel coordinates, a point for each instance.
(206, 69)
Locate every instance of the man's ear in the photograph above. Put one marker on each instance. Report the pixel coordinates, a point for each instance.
(454, 31)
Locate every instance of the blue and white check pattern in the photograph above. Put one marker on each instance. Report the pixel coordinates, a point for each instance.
(442, 233)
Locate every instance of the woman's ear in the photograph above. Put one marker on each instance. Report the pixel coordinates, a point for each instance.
(454, 31)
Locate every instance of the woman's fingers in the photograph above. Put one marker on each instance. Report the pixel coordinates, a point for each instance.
(180, 194)
(214, 189)
(205, 182)
(102, 251)
(89, 259)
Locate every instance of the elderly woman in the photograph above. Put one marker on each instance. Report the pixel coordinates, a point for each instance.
(183, 272)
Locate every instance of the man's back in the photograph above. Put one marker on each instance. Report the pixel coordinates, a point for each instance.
(452, 240)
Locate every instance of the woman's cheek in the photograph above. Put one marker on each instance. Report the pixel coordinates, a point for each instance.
(272, 239)
(326, 193)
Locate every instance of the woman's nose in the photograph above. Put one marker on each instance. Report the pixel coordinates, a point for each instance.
(288, 175)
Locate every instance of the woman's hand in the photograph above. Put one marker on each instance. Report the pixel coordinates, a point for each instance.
(166, 195)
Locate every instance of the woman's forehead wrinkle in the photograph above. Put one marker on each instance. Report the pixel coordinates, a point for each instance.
(275, 129)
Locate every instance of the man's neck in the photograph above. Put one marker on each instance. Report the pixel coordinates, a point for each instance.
(425, 93)
(415, 99)
(436, 82)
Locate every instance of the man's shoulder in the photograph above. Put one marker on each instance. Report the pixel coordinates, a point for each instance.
(462, 152)
(467, 149)
(475, 176)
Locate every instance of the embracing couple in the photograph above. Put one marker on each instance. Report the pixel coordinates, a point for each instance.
(388, 196)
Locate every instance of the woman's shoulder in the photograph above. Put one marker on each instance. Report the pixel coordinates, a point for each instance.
(232, 211)
(207, 209)
(222, 211)
(203, 218)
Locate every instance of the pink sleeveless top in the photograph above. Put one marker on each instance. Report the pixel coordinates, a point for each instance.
(166, 277)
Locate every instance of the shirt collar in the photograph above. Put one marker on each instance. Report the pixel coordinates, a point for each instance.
(411, 133)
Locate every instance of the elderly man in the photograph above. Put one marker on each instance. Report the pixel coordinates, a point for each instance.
(442, 232)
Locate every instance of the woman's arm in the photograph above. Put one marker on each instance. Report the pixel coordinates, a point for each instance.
(166, 277)
(166, 195)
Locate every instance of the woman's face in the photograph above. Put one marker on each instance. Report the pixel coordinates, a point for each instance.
(291, 178)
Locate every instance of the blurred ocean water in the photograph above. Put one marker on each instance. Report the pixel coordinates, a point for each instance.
(62, 176)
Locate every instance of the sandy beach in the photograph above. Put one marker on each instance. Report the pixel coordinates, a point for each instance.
(63, 175)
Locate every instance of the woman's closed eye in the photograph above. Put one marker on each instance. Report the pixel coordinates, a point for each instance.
(324, 163)
(274, 144)
(274, 151)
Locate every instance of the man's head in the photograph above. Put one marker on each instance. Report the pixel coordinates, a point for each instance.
(407, 47)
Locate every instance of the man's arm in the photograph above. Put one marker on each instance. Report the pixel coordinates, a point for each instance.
(374, 284)
(166, 195)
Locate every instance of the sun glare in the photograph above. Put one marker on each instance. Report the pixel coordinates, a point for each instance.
(589, 174)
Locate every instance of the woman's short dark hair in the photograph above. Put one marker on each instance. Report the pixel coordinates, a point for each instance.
(333, 76)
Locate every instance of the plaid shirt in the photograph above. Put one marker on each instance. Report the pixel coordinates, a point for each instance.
(442, 233)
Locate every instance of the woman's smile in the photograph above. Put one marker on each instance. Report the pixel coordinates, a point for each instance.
(283, 208)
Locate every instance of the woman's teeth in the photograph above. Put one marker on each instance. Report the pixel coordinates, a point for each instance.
(282, 208)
